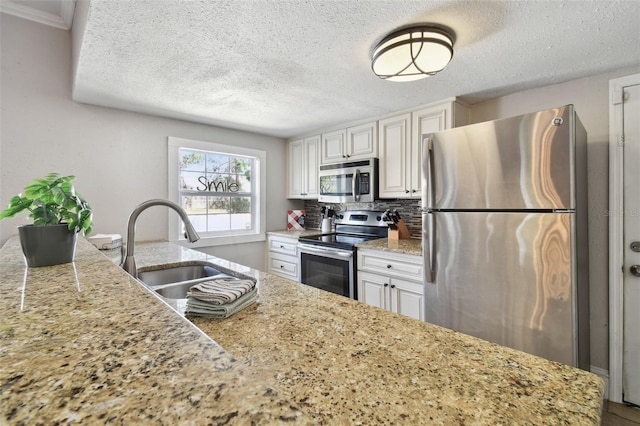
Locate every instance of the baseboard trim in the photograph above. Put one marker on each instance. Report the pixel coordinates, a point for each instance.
(604, 375)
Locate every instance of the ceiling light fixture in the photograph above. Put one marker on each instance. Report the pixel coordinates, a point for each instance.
(412, 53)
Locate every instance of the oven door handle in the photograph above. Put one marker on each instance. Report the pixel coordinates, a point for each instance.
(325, 251)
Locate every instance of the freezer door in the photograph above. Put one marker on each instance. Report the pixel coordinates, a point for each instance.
(505, 277)
(524, 162)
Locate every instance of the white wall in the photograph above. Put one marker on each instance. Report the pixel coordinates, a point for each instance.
(591, 99)
(119, 158)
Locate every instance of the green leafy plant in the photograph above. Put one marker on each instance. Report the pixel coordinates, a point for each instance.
(52, 201)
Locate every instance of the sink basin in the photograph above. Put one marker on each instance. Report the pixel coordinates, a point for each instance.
(174, 281)
(178, 274)
(175, 291)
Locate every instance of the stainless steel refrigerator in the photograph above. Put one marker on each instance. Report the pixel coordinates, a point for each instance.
(505, 243)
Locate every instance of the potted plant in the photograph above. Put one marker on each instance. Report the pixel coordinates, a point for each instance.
(58, 214)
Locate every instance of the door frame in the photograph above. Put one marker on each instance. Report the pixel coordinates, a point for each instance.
(616, 233)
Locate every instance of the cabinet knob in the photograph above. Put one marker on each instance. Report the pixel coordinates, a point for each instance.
(414, 190)
(406, 191)
(281, 247)
(388, 266)
(386, 284)
(281, 266)
(393, 286)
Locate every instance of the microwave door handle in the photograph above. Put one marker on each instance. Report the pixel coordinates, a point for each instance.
(355, 185)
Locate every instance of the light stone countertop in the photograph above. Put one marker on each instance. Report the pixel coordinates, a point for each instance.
(412, 246)
(85, 342)
(296, 234)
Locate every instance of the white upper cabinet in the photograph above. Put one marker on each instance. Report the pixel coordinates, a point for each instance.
(394, 155)
(333, 147)
(401, 143)
(395, 140)
(362, 141)
(353, 143)
(303, 167)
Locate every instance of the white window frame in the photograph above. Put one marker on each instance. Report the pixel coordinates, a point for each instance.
(258, 201)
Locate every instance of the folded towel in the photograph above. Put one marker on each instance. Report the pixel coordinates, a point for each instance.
(221, 290)
(201, 308)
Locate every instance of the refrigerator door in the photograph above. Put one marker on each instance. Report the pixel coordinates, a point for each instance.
(505, 277)
(517, 163)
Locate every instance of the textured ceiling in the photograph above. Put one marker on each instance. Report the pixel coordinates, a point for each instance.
(286, 68)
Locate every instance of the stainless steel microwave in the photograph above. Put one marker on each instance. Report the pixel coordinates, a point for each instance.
(350, 182)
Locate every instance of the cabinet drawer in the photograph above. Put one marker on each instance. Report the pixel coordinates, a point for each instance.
(288, 246)
(391, 264)
(284, 266)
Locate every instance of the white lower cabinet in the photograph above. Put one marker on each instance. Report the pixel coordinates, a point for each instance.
(282, 256)
(391, 281)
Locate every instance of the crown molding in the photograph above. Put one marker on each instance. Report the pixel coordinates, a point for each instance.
(62, 21)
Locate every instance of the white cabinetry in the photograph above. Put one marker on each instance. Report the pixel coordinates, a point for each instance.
(400, 143)
(394, 162)
(303, 166)
(391, 281)
(282, 258)
(353, 143)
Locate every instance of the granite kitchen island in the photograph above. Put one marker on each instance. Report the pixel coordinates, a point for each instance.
(86, 343)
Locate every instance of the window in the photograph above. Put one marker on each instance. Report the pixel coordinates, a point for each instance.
(221, 189)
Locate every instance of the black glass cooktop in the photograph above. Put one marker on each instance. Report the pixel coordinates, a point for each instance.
(337, 240)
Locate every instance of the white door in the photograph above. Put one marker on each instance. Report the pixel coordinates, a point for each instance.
(631, 224)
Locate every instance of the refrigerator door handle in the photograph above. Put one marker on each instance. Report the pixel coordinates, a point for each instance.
(431, 190)
(430, 215)
(431, 247)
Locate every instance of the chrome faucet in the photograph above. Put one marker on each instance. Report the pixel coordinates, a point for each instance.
(129, 262)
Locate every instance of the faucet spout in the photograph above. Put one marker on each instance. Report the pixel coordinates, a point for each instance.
(129, 263)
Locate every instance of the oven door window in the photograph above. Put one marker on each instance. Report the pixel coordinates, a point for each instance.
(334, 275)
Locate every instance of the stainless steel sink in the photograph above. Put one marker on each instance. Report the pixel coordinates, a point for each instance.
(174, 281)
(174, 291)
(179, 273)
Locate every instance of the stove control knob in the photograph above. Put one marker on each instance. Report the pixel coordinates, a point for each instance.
(378, 218)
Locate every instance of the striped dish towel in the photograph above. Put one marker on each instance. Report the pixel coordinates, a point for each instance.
(220, 291)
(198, 308)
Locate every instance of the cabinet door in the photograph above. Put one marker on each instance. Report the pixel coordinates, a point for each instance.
(283, 266)
(296, 169)
(407, 298)
(373, 290)
(427, 120)
(362, 141)
(312, 152)
(393, 133)
(332, 148)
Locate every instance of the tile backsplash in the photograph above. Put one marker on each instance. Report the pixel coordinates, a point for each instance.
(409, 211)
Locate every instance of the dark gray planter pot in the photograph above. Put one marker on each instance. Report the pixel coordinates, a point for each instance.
(47, 245)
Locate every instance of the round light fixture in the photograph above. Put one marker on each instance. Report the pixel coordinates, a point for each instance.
(412, 53)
